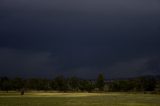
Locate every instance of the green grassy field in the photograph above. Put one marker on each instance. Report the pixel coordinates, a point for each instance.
(78, 99)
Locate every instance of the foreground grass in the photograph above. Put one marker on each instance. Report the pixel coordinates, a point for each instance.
(78, 99)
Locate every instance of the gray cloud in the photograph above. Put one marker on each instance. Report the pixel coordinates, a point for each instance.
(24, 63)
(134, 67)
(87, 36)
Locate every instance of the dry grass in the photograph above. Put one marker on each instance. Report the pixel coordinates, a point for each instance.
(78, 99)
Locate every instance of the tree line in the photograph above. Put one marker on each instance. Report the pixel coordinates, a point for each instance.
(74, 84)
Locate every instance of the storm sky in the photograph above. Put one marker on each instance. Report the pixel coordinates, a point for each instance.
(46, 38)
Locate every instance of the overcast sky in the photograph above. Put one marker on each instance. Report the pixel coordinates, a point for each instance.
(46, 38)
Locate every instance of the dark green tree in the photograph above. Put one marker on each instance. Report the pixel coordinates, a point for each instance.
(5, 84)
(61, 83)
(18, 83)
(86, 85)
(74, 83)
(100, 82)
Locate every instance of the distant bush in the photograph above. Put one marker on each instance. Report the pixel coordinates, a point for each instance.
(146, 84)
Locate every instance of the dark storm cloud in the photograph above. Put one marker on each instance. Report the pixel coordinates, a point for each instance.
(80, 37)
(135, 67)
(23, 62)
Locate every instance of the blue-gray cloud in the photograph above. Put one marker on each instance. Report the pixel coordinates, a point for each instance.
(87, 35)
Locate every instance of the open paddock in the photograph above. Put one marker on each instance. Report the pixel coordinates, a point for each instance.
(78, 99)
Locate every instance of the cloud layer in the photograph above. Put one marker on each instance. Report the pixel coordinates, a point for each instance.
(46, 38)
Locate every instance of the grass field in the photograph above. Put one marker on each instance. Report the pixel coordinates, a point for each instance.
(78, 99)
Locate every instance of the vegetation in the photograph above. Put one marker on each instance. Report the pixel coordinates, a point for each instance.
(50, 92)
(74, 84)
(100, 82)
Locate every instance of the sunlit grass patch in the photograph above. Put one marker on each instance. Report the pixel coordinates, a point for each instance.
(78, 99)
(34, 94)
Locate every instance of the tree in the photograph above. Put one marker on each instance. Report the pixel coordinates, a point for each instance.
(100, 82)
(74, 83)
(5, 84)
(61, 83)
(18, 83)
(86, 85)
(146, 83)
